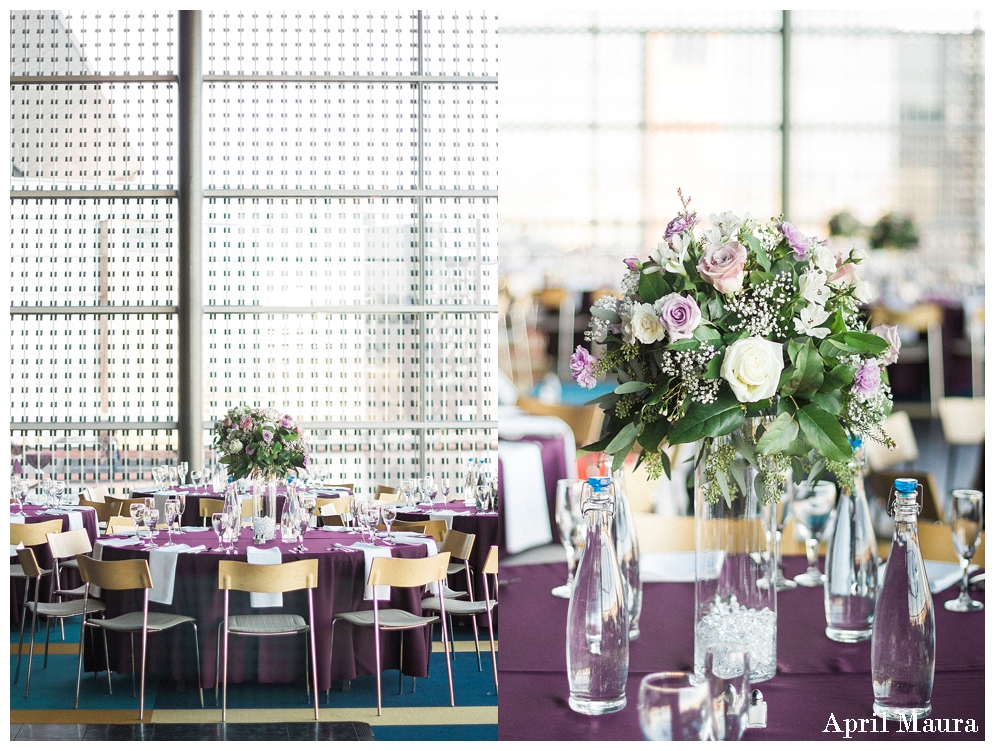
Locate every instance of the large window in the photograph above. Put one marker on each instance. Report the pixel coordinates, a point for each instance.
(347, 243)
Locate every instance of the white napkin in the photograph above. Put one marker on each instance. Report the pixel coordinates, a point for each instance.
(162, 566)
(15, 548)
(446, 516)
(266, 557)
(17, 519)
(514, 427)
(941, 574)
(678, 567)
(526, 512)
(146, 489)
(160, 503)
(75, 517)
(369, 553)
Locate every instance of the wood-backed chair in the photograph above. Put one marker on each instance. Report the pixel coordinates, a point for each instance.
(280, 577)
(122, 575)
(118, 524)
(332, 520)
(401, 572)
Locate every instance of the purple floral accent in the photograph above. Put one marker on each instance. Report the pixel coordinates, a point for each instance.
(582, 366)
(227, 422)
(245, 423)
(680, 316)
(250, 451)
(286, 422)
(890, 335)
(268, 436)
(796, 240)
(632, 264)
(867, 379)
(676, 227)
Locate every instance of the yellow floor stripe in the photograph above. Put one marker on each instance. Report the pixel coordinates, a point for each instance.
(58, 649)
(461, 646)
(391, 716)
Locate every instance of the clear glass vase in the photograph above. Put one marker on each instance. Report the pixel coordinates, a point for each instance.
(627, 549)
(736, 492)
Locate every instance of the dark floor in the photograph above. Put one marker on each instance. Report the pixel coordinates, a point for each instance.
(269, 731)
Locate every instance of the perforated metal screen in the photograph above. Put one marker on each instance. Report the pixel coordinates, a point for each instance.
(349, 236)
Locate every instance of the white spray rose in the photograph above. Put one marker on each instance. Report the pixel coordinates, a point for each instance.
(753, 368)
(646, 325)
(235, 446)
(824, 259)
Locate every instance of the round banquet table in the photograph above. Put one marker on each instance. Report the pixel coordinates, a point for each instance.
(483, 524)
(341, 586)
(191, 511)
(815, 677)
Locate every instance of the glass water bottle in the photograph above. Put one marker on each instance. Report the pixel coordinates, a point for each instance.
(851, 562)
(903, 642)
(627, 550)
(597, 619)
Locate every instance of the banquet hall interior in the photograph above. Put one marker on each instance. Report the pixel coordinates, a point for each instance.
(289, 216)
(861, 127)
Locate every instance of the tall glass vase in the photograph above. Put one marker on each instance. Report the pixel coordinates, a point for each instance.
(734, 557)
(264, 492)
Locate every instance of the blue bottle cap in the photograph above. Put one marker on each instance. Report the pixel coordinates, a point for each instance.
(598, 483)
(856, 442)
(906, 485)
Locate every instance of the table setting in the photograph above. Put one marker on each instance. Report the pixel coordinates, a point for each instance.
(747, 340)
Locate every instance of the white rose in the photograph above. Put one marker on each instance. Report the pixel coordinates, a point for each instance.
(824, 259)
(753, 367)
(812, 286)
(863, 291)
(235, 446)
(646, 326)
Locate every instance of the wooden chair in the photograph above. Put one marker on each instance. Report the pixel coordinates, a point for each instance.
(332, 520)
(332, 506)
(104, 509)
(436, 529)
(401, 572)
(118, 524)
(663, 534)
(121, 575)
(459, 545)
(254, 577)
(474, 608)
(963, 422)
(585, 422)
(384, 490)
(54, 610)
(403, 526)
(899, 427)
(937, 544)
(30, 535)
(210, 506)
(64, 547)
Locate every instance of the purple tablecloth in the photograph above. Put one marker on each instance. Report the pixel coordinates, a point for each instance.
(815, 676)
(191, 511)
(341, 581)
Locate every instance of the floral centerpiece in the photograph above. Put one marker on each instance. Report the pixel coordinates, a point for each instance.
(261, 442)
(748, 318)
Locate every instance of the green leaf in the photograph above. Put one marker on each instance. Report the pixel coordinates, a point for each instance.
(684, 344)
(824, 432)
(837, 378)
(736, 470)
(779, 436)
(744, 448)
(653, 434)
(808, 373)
(619, 459)
(604, 401)
(714, 367)
(721, 417)
(631, 387)
(759, 277)
(606, 315)
(708, 335)
(831, 401)
(762, 258)
(665, 461)
(865, 343)
(833, 347)
(661, 388)
(652, 287)
(624, 439)
(720, 478)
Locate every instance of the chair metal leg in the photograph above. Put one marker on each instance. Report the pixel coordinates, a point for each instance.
(196, 648)
(31, 649)
(145, 649)
(217, 667)
(48, 628)
(476, 642)
(132, 636)
(400, 668)
(376, 642)
(449, 666)
(307, 671)
(24, 618)
(224, 664)
(314, 652)
(79, 669)
(57, 578)
(107, 657)
(490, 629)
(452, 639)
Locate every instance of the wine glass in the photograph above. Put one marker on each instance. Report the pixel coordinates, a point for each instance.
(812, 507)
(674, 707)
(388, 512)
(572, 527)
(172, 475)
(444, 489)
(137, 511)
(46, 490)
(968, 519)
(58, 488)
(218, 525)
(303, 518)
(172, 512)
(780, 511)
(727, 672)
(432, 488)
(19, 488)
(181, 472)
(422, 483)
(181, 502)
(195, 477)
(152, 521)
(308, 502)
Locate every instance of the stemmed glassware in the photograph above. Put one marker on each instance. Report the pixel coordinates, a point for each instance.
(172, 514)
(218, 525)
(152, 521)
(58, 488)
(181, 472)
(444, 489)
(181, 500)
(727, 672)
(780, 511)
(195, 477)
(388, 512)
(968, 519)
(573, 529)
(812, 508)
(46, 489)
(432, 488)
(137, 511)
(19, 489)
(172, 476)
(422, 486)
(303, 517)
(674, 707)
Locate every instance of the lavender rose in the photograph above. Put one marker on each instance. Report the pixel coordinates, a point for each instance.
(890, 335)
(796, 240)
(268, 436)
(582, 367)
(722, 267)
(249, 451)
(867, 379)
(677, 226)
(680, 316)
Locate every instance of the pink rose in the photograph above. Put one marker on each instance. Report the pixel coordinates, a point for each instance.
(845, 275)
(722, 267)
(245, 423)
(867, 379)
(890, 335)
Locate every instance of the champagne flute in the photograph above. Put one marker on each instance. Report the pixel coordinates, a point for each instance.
(444, 489)
(727, 672)
(152, 521)
(181, 501)
(218, 525)
(968, 519)
(172, 476)
(573, 529)
(181, 471)
(388, 512)
(674, 707)
(46, 489)
(172, 508)
(812, 507)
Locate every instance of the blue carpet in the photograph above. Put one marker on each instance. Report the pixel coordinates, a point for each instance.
(435, 732)
(574, 394)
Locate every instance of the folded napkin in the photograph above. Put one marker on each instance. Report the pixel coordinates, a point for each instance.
(369, 553)
(678, 567)
(446, 516)
(75, 517)
(266, 557)
(146, 489)
(17, 518)
(162, 566)
(941, 574)
(526, 511)
(160, 503)
(15, 548)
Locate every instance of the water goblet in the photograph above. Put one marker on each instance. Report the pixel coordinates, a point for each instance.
(727, 673)
(674, 707)
(137, 511)
(812, 508)
(172, 512)
(421, 484)
(572, 528)
(152, 521)
(181, 472)
(432, 489)
(195, 477)
(388, 512)
(444, 489)
(172, 476)
(967, 521)
(58, 488)
(218, 525)
(46, 490)
(19, 491)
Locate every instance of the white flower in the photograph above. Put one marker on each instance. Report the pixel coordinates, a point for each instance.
(824, 259)
(863, 291)
(645, 324)
(671, 257)
(753, 367)
(858, 255)
(728, 225)
(812, 285)
(235, 446)
(809, 319)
